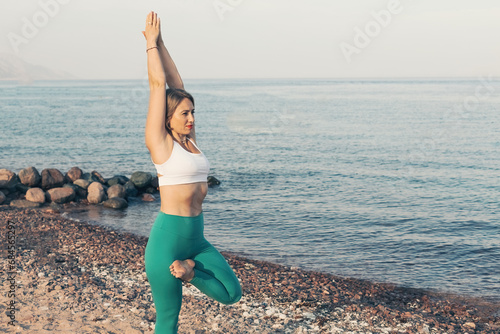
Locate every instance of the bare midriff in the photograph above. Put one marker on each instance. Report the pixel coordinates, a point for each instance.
(183, 199)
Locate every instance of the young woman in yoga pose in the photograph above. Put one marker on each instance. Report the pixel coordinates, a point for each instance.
(177, 250)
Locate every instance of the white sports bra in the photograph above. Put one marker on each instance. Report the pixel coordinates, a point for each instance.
(183, 167)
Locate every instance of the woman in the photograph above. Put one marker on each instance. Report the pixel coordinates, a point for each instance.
(177, 250)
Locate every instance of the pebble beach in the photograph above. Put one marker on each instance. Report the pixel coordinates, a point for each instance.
(76, 277)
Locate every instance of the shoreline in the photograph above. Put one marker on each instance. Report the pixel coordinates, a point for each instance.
(72, 207)
(79, 277)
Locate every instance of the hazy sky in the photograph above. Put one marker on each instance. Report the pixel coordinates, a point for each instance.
(259, 38)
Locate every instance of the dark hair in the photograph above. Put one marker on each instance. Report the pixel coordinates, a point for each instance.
(174, 98)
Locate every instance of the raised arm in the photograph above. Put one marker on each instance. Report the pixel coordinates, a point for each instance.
(174, 79)
(155, 132)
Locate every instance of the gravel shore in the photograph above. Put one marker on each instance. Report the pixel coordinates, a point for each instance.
(74, 277)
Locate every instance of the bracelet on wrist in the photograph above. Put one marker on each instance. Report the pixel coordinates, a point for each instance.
(153, 47)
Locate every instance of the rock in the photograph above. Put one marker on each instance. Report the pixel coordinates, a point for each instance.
(52, 178)
(470, 325)
(150, 190)
(117, 179)
(131, 189)
(212, 181)
(55, 207)
(22, 203)
(79, 191)
(30, 177)
(7, 178)
(89, 177)
(84, 184)
(73, 174)
(117, 190)
(154, 182)
(270, 311)
(2, 197)
(36, 195)
(96, 193)
(141, 179)
(61, 195)
(146, 197)
(21, 188)
(115, 203)
(95, 174)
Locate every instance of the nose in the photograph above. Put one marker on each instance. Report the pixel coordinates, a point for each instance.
(191, 117)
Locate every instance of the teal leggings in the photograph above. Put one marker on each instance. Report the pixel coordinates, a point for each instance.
(179, 238)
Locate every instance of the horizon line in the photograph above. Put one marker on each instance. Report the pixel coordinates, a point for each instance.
(492, 77)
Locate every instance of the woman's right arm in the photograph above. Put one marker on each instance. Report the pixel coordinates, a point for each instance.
(155, 132)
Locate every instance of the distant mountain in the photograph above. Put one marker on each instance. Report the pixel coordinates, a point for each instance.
(15, 68)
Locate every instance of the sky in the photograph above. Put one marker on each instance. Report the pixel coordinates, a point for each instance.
(259, 38)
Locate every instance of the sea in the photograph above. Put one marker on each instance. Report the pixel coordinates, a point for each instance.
(389, 180)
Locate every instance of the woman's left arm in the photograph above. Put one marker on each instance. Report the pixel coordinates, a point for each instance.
(173, 77)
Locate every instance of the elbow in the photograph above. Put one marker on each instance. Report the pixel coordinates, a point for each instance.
(156, 80)
(147, 142)
(175, 83)
(157, 84)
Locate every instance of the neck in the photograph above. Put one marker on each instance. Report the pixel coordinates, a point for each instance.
(181, 138)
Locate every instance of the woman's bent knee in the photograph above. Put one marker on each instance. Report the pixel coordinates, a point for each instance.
(232, 299)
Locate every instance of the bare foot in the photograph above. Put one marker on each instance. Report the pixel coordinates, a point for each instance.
(183, 269)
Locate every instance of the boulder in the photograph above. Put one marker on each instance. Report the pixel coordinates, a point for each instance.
(52, 178)
(23, 203)
(131, 189)
(96, 193)
(141, 179)
(2, 197)
(148, 197)
(30, 177)
(7, 178)
(117, 190)
(89, 177)
(115, 203)
(36, 195)
(154, 182)
(97, 176)
(84, 184)
(61, 195)
(21, 188)
(73, 174)
(212, 181)
(79, 191)
(117, 179)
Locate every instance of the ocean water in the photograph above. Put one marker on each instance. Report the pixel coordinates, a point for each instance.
(387, 180)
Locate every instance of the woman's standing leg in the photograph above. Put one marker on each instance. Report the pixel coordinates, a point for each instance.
(166, 289)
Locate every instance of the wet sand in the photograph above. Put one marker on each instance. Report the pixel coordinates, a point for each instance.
(74, 277)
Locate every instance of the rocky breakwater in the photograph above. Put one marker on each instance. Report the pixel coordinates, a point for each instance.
(31, 189)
